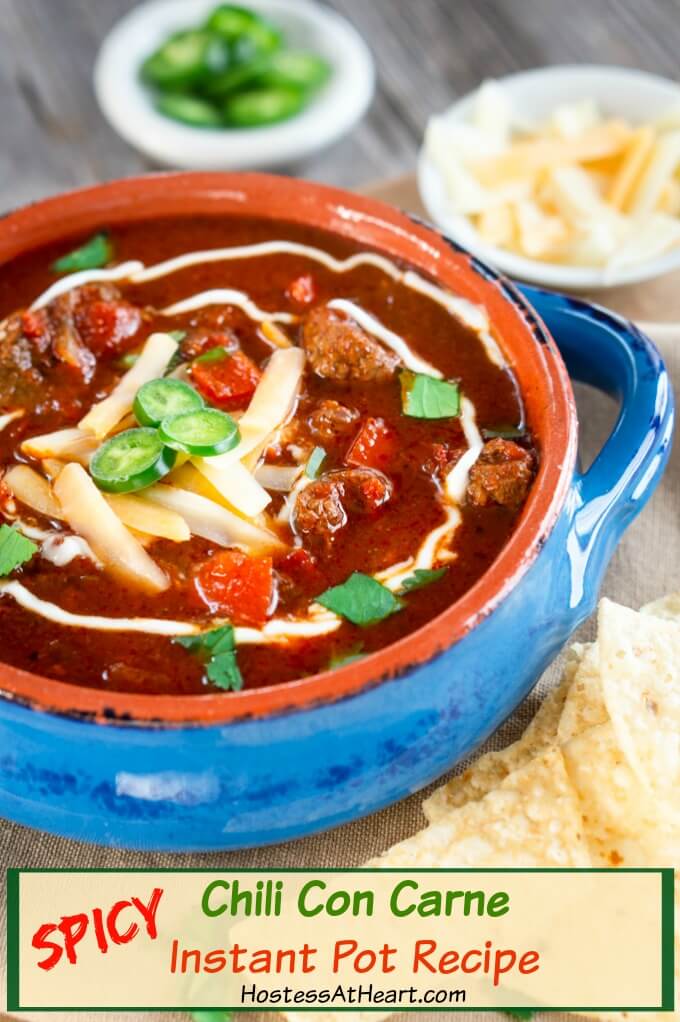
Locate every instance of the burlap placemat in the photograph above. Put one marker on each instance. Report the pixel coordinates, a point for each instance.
(646, 565)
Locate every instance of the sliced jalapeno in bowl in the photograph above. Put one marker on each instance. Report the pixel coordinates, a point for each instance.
(200, 113)
(259, 107)
(296, 68)
(247, 30)
(131, 461)
(186, 59)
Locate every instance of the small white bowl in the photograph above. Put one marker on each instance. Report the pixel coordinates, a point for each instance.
(634, 95)
(128, 105)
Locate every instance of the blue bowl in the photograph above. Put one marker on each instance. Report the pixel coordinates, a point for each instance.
(257, 780)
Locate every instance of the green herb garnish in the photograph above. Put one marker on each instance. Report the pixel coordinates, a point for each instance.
(213, 355)
(15, 549)
(316, 460)
(361, 599)
(178, 335)
(95, 253)
(421, 577)
(217, 649)
(425, 397)
(504, 433)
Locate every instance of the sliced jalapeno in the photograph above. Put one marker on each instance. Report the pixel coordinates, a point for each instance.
(131, 461)
(185, 60)
(161, 399)
(250, 33)
(199, 113)
(258, 107)
(235, 77)
(295, 68)
(204, 434)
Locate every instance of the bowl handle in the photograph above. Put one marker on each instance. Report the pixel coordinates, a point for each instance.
(610, 353)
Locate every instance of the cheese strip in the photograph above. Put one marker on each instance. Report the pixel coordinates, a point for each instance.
(235, 483)
(87, 512)
(138, 513)
(271, 404)
(151, 364)
(637, 154)
(72, 444)
(211, 521)
(525, 158)
(33, 491)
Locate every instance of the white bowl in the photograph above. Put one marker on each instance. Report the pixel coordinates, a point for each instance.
(128, 105)
(635, 95)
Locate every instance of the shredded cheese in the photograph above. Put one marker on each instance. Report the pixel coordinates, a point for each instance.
(236, 484)
(152, 363)
(212, 521)
(271, 404)
(89, 515)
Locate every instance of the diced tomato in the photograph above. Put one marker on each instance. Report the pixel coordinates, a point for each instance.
(106, 326)
(302, 290)
(374, 445)
(303, 570)
(238, 586)
(228, 381)
(36, 328)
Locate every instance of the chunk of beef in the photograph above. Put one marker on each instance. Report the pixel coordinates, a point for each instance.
(338, 349)
(74, 329)
(501, 475)
(330, 421)
(325, 506)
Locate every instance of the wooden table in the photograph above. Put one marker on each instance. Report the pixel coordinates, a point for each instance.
(428, 51)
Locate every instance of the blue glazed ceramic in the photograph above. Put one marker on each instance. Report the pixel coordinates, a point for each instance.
(391, 725)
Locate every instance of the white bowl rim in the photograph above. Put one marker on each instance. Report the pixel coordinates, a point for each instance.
(575, 278)
(339, 106)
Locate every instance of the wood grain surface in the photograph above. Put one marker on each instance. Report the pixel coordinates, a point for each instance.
(427, 51)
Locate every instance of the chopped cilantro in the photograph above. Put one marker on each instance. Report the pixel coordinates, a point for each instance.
(421, 577)
(504, 432)
(316, 460)
(217, 649)
(213, 355)
(361, 599)
(425, 397)
(178, 335)
(95, 253)
(15, 549)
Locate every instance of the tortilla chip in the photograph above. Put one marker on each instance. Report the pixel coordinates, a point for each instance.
(640, 669)
(490, 770)
(622, 825)
(532, 819)
(584, 706)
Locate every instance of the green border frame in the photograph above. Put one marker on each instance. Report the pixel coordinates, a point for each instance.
(667, 937)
